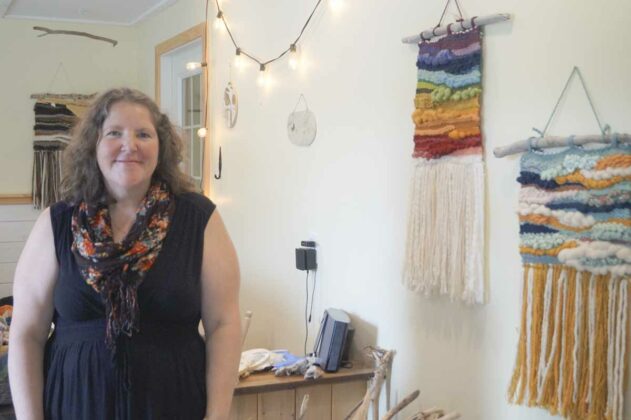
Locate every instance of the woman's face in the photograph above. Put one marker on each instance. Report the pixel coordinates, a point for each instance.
(127, 150)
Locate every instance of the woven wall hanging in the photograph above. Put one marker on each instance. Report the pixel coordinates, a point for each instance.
(55, 116)
(575, 243)
(445, 235)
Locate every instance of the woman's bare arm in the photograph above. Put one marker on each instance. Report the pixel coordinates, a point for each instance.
(35, 277)
(220, 315)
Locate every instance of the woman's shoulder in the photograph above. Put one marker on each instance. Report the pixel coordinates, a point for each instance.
(196, 202)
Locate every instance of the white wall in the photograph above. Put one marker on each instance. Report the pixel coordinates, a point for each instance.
(28, 66)
(350, 189)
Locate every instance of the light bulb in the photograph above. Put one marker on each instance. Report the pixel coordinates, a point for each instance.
(192, 65)
(238, 59)
(337, 6)
(264, 78)
(202, 132)
(294, 57)
(219, 21)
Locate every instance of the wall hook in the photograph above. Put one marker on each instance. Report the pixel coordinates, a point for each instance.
(219, 176)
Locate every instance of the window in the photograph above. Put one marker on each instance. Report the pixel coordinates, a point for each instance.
(191, 122)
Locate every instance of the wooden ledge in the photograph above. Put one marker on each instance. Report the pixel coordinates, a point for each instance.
(15, 199)
(266, 381)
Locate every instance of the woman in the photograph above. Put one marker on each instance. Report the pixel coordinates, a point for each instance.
(125, 267)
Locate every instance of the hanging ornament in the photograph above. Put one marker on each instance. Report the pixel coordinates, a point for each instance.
(301, 125)
(231, 105)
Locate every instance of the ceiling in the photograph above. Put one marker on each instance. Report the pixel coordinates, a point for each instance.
(112, 12)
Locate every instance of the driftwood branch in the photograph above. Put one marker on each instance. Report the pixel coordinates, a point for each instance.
(435, 414)
(303, 407)
(350, 414)
(382, 359)
(400, 406)
(554, 141)
(48, 31)
(459, 26)
(246, 327)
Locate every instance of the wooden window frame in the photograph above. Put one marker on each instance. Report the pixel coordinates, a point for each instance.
(183, 38)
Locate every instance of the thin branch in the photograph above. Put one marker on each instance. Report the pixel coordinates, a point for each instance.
(400, 406)
(76, 33)
(555, 141)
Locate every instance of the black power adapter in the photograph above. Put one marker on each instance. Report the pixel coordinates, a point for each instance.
(306, 256)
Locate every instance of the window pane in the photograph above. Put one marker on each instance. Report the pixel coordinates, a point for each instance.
(186, 102)
(186, 139)
(197, 154)
(197, 103)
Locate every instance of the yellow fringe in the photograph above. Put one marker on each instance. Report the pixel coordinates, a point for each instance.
(538, 289)
(519, 374)
(571, 387)
(548, 397)
(568, 365)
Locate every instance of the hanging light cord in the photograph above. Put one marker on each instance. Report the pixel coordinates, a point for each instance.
(308, 314)
(263, 64)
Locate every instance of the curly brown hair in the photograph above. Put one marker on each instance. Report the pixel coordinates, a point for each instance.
(82, 178)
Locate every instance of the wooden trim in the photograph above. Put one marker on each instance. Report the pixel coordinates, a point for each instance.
(265, 382)
(190, 35)
(6, 199)
(178, 40)
(207, 161)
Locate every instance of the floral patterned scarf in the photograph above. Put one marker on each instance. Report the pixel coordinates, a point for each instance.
(115, 270)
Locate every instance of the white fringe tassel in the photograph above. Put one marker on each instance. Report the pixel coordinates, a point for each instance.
(445, 243)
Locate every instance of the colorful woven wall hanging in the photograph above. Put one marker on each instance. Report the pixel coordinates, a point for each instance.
(445, 238)
(55, 116)
(575, 243)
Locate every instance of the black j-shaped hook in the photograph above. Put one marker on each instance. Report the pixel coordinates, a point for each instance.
(219, 176)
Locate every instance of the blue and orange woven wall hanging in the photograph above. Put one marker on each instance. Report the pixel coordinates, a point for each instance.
(575, 244)
(445, 238)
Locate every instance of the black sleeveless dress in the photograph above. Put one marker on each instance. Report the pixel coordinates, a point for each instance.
(164, 375)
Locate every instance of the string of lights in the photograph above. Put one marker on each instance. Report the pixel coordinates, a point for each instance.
(292, 49)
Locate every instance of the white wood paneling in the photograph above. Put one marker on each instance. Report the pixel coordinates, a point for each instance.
(16, 222)
(18, 213)
(7, 270)
(10, 251)
(6, 289)
(15, 231)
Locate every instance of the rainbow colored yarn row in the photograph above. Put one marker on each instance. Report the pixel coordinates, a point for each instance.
(447, 102)
(575, 209)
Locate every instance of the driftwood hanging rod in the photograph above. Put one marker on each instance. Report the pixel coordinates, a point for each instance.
(63, 96)
(554, 141)
(458, 26)
(48, 31)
